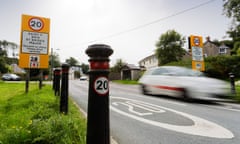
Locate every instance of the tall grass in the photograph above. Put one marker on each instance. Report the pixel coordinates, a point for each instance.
(35, 117)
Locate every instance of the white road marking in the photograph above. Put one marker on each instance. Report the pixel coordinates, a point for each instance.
(201, 127)
(165, 101)
(144, 106)
(225, 108)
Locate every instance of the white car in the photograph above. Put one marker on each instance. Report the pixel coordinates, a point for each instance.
(182, 82)
(10, 77)
(83, 78)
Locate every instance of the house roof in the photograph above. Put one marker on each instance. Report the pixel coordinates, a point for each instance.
(131, 67)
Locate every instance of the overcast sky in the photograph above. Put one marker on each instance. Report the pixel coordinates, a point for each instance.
(130, 27)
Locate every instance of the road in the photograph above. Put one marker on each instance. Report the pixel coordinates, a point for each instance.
(140, 119)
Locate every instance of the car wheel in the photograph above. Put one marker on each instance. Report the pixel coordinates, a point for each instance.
(185, 96)
(143, 88)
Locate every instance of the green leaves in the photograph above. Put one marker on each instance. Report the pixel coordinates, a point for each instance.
(169, 47)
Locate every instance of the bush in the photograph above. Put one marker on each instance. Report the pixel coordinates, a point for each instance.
(217, 67)
(221, 66)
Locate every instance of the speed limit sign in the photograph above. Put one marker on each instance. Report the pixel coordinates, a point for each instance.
(36, 24)
(101, 85)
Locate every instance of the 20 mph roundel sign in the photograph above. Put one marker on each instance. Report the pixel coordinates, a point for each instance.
(101, 85)
(36, 24)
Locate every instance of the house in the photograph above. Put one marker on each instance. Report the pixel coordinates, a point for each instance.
(11, 48)
(149, 62)
(210, 49)
(130, 72)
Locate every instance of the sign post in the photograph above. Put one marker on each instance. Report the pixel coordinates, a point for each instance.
(34, 43)
(98, 101)
(196, 47)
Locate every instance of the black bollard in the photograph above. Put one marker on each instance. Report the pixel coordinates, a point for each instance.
(232, 82)
(64, 89)
(53, 80)
(98, 94)
(56, 79)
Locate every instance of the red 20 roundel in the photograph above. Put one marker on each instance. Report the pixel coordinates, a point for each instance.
(36, 24)
(101, 85)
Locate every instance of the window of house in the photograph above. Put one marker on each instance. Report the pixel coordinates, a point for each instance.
(222, 49)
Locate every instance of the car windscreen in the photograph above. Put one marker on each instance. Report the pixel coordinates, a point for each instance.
(175, 71)
(185, 72)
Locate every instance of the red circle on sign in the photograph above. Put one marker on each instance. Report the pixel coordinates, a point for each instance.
(36, 24)
(101, 85)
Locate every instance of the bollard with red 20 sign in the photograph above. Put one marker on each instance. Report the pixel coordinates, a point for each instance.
(98, 94)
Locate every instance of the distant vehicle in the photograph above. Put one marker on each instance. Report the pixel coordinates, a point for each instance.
(10, 77)
(83, 78)
(182, 82)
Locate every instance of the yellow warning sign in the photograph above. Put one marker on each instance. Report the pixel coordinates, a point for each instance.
(34, 43)
(196, 46)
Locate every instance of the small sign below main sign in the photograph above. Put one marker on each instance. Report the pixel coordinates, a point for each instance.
(34, 61)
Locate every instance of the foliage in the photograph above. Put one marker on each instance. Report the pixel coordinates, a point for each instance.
(237, 96)
(183, 63)
(54, 60)
(217, 66)
(118, 66)
(85, 68)
(34, 117)
(221, 66)
(3, 65)
(232, 10)
(169, 47)
(72, 61)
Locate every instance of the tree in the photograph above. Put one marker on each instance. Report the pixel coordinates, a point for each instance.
(72, 61)
(232, 10)
(118, 66)
(169, 47)
(3, 55)
(54, 60)
(85, 68)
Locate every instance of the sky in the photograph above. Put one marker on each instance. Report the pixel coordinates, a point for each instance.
(130, 27)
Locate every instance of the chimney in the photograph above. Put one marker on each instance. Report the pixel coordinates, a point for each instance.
(208, 39)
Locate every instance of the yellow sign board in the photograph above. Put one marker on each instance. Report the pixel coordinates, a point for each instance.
(196, 44)
(34, 44)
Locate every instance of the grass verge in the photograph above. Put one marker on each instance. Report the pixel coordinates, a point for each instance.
(237, 95)
(125, 81)
(35, 117)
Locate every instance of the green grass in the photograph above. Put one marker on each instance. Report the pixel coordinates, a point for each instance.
(237, 96)
(126, 81)
(35, 117)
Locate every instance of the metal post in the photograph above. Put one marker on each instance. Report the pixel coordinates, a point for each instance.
(51, 70)
(40, 79)
(64, 89)
(27, 80)
(98, 101)
(56, 81)
(232, 82)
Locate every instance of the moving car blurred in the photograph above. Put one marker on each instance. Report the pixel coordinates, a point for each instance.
(10, 77)
(182, 82)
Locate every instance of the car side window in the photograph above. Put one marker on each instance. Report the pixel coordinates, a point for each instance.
(160, 71)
